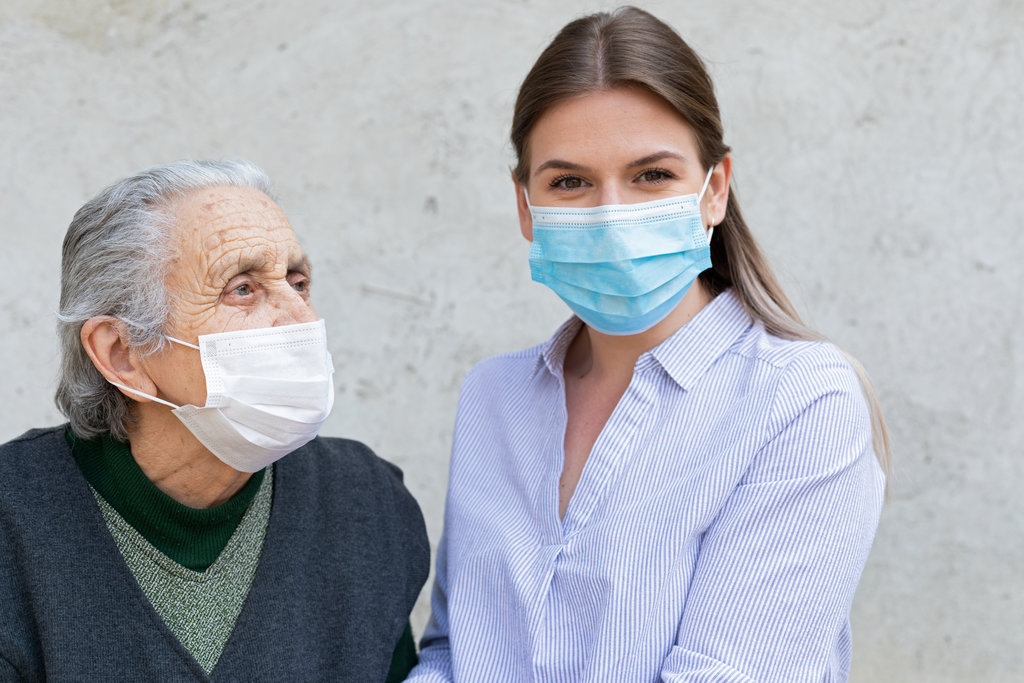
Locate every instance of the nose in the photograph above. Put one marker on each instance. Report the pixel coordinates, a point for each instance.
(292, 309)
(610, 194)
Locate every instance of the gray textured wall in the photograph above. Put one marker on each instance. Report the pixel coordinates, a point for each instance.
(878, 153)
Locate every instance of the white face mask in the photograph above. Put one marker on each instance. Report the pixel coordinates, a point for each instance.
(268, 391)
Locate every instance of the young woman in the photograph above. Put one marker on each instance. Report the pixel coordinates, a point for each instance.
(684, 482)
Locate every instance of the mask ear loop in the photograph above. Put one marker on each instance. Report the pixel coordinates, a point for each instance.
(183, 343)
(139, 393)
(704, 187)
(145, 395)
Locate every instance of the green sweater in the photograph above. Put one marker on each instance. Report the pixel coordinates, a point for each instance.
(193, 538)
(194, 565)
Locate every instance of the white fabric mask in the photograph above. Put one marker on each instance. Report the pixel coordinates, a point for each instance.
(268, 391)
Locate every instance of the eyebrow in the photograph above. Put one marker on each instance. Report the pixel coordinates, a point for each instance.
(257, 262)
(657, 156)
(643, 161)
(560, 164)
(302, 265)
(225, 268)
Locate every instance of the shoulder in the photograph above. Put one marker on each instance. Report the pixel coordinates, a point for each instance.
(796, 365)
(41, 486)
(34, 439)
(347, 475)
(818, 415)
(516, 367)
(497, 380)
(344, 462)
(495, 375)
(334, 478)
(811, 370)
(522, 361)
(34, 451)
(764, 347)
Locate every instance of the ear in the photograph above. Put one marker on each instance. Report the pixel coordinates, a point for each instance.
(525, 219)
(717, 195)
(103, 340)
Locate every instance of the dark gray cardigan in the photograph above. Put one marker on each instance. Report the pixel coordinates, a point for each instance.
(344, 559)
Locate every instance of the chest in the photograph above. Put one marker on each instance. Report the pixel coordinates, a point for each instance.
(616, 566)
(654, 447)
(588, 408)
(313, 607)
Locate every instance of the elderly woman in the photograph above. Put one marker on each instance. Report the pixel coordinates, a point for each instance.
(159, 535)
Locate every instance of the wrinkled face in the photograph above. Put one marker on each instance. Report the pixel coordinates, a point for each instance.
(620, 146)
(237, 265)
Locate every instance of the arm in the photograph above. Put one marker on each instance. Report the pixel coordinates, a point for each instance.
(777, 569)
(435, 664)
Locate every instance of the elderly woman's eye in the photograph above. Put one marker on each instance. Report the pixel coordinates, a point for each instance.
(301, 285)
(242, 290)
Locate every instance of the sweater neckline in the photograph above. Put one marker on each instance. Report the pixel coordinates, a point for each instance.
(192, 537)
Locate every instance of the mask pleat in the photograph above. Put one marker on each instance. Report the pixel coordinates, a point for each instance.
(621, 268)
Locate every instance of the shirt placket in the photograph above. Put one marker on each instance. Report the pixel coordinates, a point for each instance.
(614, 446)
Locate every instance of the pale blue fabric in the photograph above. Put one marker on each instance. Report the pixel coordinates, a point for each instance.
(629, 307)
(617, 278)
(717, 533)
(621, 268)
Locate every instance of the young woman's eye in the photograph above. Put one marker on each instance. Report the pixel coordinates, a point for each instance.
(655, 175)
(567, 182)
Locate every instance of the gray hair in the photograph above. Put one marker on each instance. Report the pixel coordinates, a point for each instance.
(115, 262)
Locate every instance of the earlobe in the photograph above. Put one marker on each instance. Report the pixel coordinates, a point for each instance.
(523, 207)
(102, 339)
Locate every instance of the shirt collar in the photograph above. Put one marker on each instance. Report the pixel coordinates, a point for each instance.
(695, 346)
(685, 356)
(552, 352)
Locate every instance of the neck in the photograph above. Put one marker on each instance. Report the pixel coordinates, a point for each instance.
(177, 464)
(613, 357)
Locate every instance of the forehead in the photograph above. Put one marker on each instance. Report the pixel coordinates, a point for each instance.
(629, 120)
(212, 217)
(224, 230)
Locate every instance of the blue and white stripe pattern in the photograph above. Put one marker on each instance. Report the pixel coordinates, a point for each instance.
(717, 533)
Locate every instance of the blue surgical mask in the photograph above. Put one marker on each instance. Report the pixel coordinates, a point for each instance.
(621, 268)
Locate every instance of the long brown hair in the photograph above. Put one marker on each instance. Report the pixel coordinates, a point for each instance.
(632, 48)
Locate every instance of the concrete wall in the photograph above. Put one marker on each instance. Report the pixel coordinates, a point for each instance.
(878, 156)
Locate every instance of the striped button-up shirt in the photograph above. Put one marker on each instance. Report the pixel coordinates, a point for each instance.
(717, 532)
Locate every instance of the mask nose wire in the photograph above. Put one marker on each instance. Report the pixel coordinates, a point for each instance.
(526, 193)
